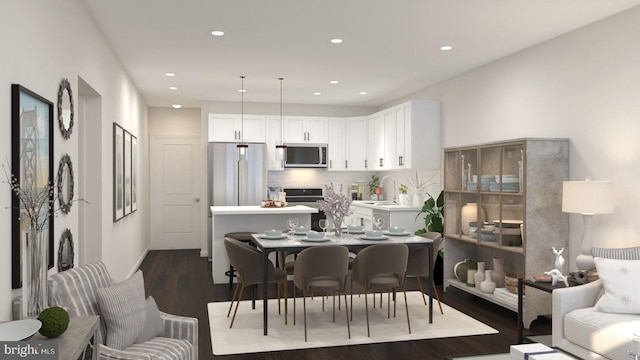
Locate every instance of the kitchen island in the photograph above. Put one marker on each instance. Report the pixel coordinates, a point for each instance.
(393, 214)
(226, 219)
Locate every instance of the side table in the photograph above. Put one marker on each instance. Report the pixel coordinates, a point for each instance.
(544, 286)
(72, 344)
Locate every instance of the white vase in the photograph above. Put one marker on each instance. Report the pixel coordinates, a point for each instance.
(469, 213)
(418, 199)
(403, 199)
(488, 285)
(34, 273)
(479, 276)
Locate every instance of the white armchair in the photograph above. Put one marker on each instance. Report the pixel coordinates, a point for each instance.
(76, 291)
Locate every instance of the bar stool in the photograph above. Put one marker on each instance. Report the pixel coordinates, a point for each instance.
(245, 237)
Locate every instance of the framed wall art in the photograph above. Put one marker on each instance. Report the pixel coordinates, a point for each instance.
(118, 172)
(134, 173)
(127, 173)
(32, 169)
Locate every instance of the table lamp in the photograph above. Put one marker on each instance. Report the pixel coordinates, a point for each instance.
(587, 198)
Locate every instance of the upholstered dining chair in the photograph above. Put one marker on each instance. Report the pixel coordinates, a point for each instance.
(89, 290)
(247, 261)
(323, 270)
(418, 264)
(381, 267)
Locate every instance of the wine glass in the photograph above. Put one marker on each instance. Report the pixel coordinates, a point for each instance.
(378, 222)
(323, 223)
(292, 223)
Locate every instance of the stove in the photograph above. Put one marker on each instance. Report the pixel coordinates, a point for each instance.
(307, 197)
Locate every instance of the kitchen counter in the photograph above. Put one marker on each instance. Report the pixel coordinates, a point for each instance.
(385, 205)
(226, 219)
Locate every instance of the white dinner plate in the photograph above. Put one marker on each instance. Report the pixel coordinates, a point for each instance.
(315, 240)
(404, 233)
(19, 329)
(373, 238)
(276, 237)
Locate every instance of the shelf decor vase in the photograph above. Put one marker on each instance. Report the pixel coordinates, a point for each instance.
(488, 285)
(498, 271)
(479, 275)
(418, 199)
(461, 269)
(469, 213)
(34, 273)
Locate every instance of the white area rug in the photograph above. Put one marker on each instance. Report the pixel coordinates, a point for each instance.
(246, 336)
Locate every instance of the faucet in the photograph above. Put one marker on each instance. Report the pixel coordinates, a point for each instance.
(394, 185)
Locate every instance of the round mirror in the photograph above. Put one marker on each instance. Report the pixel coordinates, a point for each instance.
(65, 251)
(65, 184)
(65, 109)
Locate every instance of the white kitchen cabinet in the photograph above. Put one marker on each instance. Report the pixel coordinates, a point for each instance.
(375, 151)
(388, 161)
(274, 136)
(337, 144)
(234, 127)
(306, 129)
(356, 144)
(417, 135)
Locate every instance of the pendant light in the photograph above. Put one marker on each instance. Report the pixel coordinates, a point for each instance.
(280, 146)
(242, 146)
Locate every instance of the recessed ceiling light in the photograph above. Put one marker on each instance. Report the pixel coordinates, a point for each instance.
(334, 81)
(362, 93)
(446, 47)
(242, 90)
(176, 106)
(317, 93)
(336, 41)
(170, 74)
(173, 88)
(217, 33)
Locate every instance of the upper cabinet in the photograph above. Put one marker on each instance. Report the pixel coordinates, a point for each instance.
(356, 144)
(406, 136)
(234, 127)
(306, 129)
(337, 147)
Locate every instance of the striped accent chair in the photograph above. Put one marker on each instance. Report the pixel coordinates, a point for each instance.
(76, 291)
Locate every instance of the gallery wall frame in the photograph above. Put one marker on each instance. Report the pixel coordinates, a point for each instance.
(127, 173)
(66, 184)
(134, 173)
(118, 172)
(32, 167)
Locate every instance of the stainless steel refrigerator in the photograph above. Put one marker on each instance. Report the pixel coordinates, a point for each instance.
(235, 182)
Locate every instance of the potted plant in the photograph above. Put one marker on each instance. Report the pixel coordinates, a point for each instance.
(433, 210)
(374, 185)
(403, 197)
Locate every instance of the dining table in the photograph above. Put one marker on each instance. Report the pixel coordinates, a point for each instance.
(296, 243)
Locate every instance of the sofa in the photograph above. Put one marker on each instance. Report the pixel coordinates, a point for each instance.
(598, 320)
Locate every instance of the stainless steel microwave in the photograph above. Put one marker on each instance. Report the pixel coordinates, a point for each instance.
(306, 156)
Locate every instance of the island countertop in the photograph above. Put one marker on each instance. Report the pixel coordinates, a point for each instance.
(259, 210)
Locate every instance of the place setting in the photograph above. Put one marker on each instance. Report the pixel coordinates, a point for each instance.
(273, 234)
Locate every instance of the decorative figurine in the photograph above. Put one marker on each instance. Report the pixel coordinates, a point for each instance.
(555, 276)
(559, 259)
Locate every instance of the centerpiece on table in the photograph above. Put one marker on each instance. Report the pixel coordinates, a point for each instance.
(336, 206)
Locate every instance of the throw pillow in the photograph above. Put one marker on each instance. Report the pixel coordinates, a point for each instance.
(631, 253)
(620, 295)
(153, 326)
(122, 306)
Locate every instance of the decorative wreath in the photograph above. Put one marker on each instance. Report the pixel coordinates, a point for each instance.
(66, 132)
(66, 236)
(65, 204)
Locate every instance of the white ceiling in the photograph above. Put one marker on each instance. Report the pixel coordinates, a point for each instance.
(390, 48)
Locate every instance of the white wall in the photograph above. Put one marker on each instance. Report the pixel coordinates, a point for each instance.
(584, 86)
(42, 42)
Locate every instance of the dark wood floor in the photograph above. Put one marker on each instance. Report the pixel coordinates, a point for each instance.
(181, 283)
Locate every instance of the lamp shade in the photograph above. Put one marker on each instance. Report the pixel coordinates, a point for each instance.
(587, 197)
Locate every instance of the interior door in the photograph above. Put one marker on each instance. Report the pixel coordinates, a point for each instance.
(175, 192)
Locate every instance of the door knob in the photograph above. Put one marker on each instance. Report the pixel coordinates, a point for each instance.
(197, 199)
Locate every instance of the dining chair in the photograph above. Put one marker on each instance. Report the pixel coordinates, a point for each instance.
(381, 267)
(418, 264)
(248, 263)
(322, 270)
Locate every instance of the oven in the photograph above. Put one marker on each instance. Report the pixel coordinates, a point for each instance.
(307, 197)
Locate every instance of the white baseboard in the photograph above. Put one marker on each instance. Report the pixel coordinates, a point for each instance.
(139, 262)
